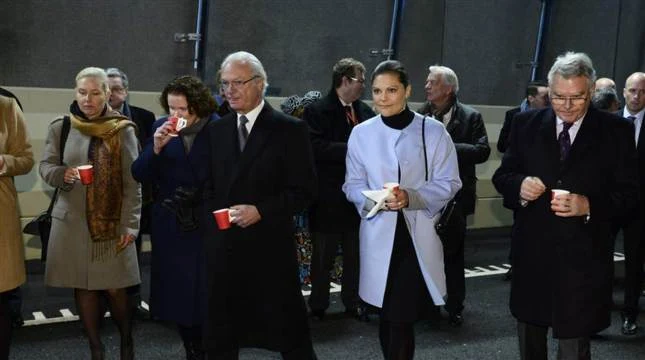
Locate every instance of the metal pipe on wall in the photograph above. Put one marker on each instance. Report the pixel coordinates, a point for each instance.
(394, 28)
(539, 40)
(197, 52)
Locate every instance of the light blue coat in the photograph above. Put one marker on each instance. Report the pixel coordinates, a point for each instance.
(375, 153)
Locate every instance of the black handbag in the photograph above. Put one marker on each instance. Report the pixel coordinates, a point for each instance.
(41, 224)
(446, 212)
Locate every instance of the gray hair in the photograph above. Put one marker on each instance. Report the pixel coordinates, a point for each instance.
(94, 72)
(244, 57)
(116, 72)
(448, 76)
(604, 98)
(573, 64)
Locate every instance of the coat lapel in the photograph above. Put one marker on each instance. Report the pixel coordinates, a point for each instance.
(584, 139)
(455, 118)
(548, 136)
(260, 133)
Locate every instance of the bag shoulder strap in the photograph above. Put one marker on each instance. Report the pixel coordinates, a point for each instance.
(63, 138)
(61, 150)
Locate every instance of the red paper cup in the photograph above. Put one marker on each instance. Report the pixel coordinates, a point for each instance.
(86, 173)
(173, 121)
(557, 192)
(223, 218)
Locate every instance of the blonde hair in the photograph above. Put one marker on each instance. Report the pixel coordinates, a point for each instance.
(96, 73)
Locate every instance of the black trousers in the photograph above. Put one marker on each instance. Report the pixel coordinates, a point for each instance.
(532, 341)
(5, 325)
(453, 257)
(325, 246)
(634, 256)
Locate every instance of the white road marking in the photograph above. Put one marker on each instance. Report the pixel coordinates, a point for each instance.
(477, 271)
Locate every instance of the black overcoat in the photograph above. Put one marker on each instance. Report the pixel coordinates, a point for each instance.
(329, 131)
(254, 291)
(562, 267)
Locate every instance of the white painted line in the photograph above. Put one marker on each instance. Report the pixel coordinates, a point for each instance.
(38, 315)
(145, 305)
(497, 268)
(68, 314)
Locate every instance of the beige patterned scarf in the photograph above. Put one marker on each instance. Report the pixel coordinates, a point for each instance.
(105, 193)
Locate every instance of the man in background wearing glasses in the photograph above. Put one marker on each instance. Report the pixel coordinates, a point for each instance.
(562, 244)
(332, 219)
(262, 171)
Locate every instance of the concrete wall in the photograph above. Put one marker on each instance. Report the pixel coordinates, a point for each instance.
(42, 105)
(489, 43)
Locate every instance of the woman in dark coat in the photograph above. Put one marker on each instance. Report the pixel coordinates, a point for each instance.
(177, 166)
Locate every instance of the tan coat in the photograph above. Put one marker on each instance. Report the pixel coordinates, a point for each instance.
(15, 149)
(69, 259)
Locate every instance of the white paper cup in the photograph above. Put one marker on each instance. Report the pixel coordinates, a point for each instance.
(557, 192)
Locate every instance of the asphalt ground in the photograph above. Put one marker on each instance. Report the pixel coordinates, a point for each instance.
(488, 332)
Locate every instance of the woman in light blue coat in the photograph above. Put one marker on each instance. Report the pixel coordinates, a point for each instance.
(401, 256)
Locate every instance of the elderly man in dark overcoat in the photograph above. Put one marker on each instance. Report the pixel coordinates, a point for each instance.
(562, 244)
(263, 171)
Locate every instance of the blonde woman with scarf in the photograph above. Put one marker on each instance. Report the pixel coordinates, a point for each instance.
(94, 226)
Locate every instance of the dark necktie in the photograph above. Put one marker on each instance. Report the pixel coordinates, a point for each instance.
(242, 133)
(351, 120)
(565, 141)
(632, 121)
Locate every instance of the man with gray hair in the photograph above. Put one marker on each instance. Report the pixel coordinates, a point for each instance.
(568, 175)
(466, 128)
(119, 85)
(262, 173)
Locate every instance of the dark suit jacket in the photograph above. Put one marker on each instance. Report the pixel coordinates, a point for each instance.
(563, 267)
(275, 172)
(468, 133)
(144, 120)
(502, 142)
(329, 131)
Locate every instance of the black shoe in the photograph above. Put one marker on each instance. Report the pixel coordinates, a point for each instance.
(629, 326)
(317, 314)
(509, 275)
(455, 319)
(359, 313)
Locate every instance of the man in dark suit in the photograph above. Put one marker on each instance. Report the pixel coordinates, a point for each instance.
(263, 171)
(332, 219)
(468, 133)
(119, 84)
(562, 245)
(634, 93)
(537, 97)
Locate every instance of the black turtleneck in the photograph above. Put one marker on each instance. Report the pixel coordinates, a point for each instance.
(399, 121)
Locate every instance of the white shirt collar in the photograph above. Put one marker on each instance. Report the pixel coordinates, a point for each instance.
(251, 116)
(638, 115)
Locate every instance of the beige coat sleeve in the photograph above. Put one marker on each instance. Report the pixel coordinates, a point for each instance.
(131, 205)
(15, 147)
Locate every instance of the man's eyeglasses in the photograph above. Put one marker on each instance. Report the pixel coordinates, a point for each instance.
(117, 90)
(575, 100)
(236, 84)
(362, 81)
